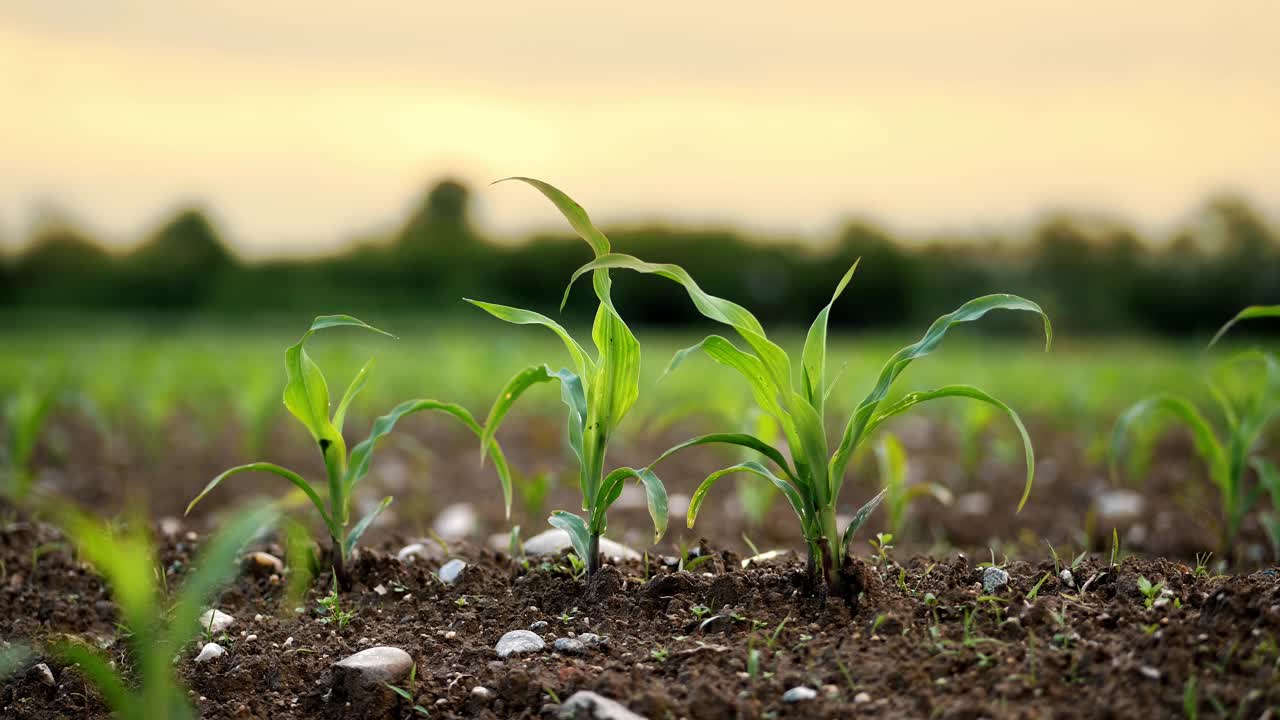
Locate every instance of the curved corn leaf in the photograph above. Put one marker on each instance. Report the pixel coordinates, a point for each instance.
(362, 454)
(755, 468)
(860, 519)
(125, 561)
(970, 311)
(307, 395)
(910, 400)
(357, 384)
(285, 473)
(215, 567)
(577, 529)
(571, 392)
(99, 672)
(582, 363)
(1249, 313)
(750, 442)
(571, 210)
(814, 358)
(655, 497)
(749, 366)
(363, 525)
(1201, 432)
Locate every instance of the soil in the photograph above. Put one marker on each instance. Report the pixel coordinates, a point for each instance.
(923, 640)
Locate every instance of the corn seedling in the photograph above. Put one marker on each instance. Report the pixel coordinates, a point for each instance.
(1228, 457)
(306, 395)
(598, 393)
(125, 560)
(25, 414)
(891, 459)
(812, 487)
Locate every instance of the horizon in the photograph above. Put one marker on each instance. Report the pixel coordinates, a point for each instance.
(299, 129)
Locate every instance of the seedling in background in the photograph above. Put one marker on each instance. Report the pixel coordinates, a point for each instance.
(1227, 458)
(332, 605)
(1149, 591)
(891, 458)
(812, 486)
(126, 560)
(598, 393)
(25, 413)
(306, 395)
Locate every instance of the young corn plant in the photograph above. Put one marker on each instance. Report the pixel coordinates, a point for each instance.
(306, 395)
(812, 481)
(597, 392)
(127, 561)
(25, 414)
(1227, 457)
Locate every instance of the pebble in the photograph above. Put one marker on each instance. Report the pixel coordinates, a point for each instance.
(765, 557)
(1149, 672)
(585, 703)
(261, 563)
(369, 669)
(716, 623)
(451, 571)
(592, 639)
(799, 693)
(994, 578)
(456, 521)
(862, 698)
(538, 626)
(519, 642)
(1117, 506)
(425, 551)
(250, 638)
(1067, 578)
(974, 503)
(210, 651)
(570, 646)
(259, 618)
(481, 692)
(45, 674)
(288, 641)
(554, 540)
(215, 621)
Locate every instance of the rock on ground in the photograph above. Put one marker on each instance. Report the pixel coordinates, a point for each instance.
(519, 642)
(554, 540)
(451, 571)
(586, 705)
(355, 674)
(994, 578)
(210, 651)
(799, 693)
(215, 621)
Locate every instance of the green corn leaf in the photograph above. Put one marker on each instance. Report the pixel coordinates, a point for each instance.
(1201, 432)
(577, 529)
(362, 454)
(571, 392)
(814, 359)
(749, 366)
(357, 384)
(307, 395)
(750, 442)
(582, 363)
(860, 518)
(1249, 313)
(910, 400)
(655, 496)
(970, 311)
(755, 468)
(96, 669)
(364, 524)
(125, 560)
(285, 473)
(217, 565)
(572, 211)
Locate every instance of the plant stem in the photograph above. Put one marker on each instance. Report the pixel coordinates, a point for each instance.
(593, 555)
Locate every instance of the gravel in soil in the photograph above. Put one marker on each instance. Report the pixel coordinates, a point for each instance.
(724, 641)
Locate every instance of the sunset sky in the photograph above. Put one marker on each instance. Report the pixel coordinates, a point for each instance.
(301, 124)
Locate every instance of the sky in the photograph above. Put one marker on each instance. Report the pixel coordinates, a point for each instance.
(303, 124)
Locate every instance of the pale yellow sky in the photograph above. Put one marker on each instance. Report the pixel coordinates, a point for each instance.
(302, 125)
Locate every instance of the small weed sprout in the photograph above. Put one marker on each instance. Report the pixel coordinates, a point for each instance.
(306, 395)
(882, 543)
(1149, 592)
(333, 605)
(597, 392)
(1228, 458)
(125, 560)
(811, 481)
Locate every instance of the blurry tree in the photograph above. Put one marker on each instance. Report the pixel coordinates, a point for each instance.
(179, 266)
(62, 267)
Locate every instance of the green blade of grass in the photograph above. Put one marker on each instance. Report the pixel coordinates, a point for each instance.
(364, 524)
(1206, 443)
(96, 669)
(814, 357)
(357, 384)
(285, 473)
(1249, 313)
(755, 468)
(750, 442)
(582, 363)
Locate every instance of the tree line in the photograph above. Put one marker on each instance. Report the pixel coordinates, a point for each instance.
(1092, 274)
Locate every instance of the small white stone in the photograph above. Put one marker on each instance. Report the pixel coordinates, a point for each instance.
(456, 521)
(799, 693)
(380, 589)
(250, 638)
(259, 618)
(519, 642)
(370, 669)
(481, 692)
(288, 641)
(45, 674)
(585, 703)
(451, 571)
(861, 698)
(994, 578)
(1067, 578)
(553, 541)
(215, 621)
(1149, 672)
(210, 651)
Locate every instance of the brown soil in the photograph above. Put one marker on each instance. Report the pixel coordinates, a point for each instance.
(902, 652)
